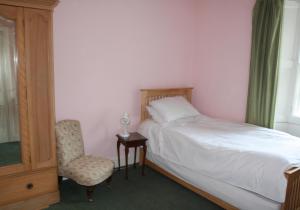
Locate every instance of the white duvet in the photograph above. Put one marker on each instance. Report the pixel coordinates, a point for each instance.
(243, 155)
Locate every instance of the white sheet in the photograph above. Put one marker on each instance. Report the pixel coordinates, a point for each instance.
(245, 156)
(235, 196)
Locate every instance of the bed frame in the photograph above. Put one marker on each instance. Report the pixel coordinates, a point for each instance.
(292, 200)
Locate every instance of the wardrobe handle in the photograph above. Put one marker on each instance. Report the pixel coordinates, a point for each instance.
(29, 186)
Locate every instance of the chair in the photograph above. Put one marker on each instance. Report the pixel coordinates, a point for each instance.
(84, 169)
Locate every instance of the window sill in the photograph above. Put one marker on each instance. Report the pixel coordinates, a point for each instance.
(294, 120)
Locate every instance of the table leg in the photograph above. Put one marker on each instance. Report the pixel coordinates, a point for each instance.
(118, 148)
(126, 159)
(144, 158)
(134, 157)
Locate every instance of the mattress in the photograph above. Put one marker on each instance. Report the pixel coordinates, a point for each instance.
(169, 156)
(242, 155)
(235, 196)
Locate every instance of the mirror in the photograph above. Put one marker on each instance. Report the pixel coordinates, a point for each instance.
(10, 145)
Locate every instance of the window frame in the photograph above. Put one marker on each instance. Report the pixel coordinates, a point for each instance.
(293, 117)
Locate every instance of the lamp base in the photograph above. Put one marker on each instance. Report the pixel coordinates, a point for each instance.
(124, 135)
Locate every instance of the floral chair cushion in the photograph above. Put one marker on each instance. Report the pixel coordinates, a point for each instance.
(69, 142)
(88, 170)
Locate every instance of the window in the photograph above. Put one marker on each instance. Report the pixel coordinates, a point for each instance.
(287, 115)
(295, 83)
(296, 107)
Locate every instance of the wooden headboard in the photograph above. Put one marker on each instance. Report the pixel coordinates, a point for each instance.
(148, 95)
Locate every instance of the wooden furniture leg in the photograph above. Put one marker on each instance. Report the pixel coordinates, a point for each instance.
(126, 160)
(144, 158)
(108, 181)
(118, 148)
(89, 193)
(292, 198)
(134, 163)
(135, 140)
(60, 178)
(141, 157)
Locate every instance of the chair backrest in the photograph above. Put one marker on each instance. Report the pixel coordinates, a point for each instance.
(69, 142)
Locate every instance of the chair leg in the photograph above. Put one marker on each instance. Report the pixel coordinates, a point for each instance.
(108, 181)
(60, 178)
(89, 193)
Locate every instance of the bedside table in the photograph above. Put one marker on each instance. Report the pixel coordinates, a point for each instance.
(134, 140)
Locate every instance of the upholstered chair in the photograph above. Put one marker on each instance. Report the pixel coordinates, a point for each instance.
(84, 169)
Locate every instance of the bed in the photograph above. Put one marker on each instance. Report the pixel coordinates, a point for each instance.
(226, 194)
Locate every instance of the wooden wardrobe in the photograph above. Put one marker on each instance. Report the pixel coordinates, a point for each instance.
(31, 182)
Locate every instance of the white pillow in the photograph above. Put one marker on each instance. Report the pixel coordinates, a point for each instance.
(155, 115)
(173, 108)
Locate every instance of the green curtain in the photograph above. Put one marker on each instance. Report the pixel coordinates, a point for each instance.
(266, 33)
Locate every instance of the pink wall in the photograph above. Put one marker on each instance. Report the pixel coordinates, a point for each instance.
(223, 58)
(106, 50)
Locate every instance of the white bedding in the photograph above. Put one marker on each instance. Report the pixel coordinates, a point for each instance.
(239, 198)
(243, 155)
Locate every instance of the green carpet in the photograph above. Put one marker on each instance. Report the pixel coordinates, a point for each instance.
(10, 153)
(151, 192)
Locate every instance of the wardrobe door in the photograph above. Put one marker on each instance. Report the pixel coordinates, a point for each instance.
(14, 137)
(39, 65)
